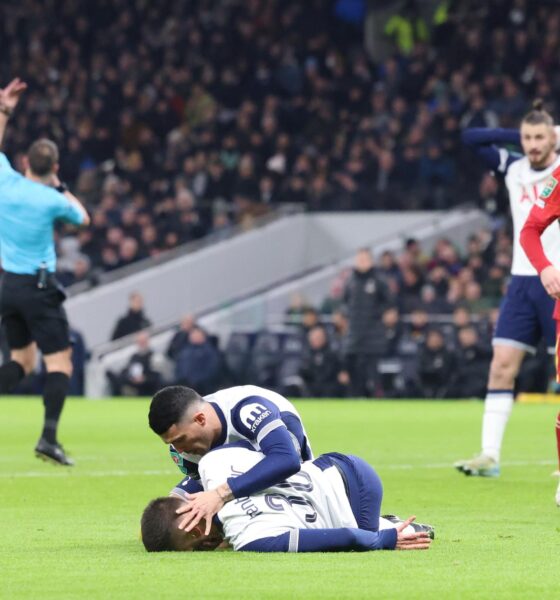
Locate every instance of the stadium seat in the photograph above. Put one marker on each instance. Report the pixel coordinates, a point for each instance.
(236, 356)
(265, 356)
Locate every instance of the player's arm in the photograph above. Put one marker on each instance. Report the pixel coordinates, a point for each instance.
(539, 219)
(9, 98)
(72, 211)
(186, 486)
(342, 540)
(485, 142)
(259, 420)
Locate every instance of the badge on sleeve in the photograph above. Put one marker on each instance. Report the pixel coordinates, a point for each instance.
(549, 187)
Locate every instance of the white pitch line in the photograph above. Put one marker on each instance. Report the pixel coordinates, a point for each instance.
(127, 473)
(513, 463)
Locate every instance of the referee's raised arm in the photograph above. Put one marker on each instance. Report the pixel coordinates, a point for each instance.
(9, 97)
(31, 299)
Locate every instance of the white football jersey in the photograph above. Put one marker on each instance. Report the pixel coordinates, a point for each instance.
(310, 499)
(249, 412)
(524, 187)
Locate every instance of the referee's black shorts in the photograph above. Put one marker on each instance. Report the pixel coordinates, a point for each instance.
(32, 314)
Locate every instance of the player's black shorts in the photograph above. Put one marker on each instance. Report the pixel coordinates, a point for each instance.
(32, 314)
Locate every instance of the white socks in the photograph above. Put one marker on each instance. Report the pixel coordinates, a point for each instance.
(497, 409)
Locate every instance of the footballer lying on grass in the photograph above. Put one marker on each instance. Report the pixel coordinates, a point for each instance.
(332, 504)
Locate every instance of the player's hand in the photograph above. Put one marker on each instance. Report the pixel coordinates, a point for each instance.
(202, 505)
(550, 278)
(418, 540)
(9, 96)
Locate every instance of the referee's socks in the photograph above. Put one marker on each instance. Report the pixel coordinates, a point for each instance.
(54, 394)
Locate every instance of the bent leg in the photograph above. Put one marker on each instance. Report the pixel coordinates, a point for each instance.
(365, 492)
(21, 363)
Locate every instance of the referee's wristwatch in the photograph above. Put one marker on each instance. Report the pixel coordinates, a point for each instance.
(61, 187)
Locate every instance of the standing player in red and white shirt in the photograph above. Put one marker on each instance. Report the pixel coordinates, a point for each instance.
(545, 211)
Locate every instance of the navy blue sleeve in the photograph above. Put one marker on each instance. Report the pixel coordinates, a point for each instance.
(326, 540)
(281, 460)
(483, 141)
(188, 485)
(255, 416)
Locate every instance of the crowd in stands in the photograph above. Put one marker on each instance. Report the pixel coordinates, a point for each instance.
(180, 118)
(422, 328)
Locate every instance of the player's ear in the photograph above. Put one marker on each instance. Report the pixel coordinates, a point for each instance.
(200, 418)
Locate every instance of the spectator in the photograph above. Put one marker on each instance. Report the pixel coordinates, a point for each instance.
(294, 313)
(199, 364)
(366, 296)
(181, 338)
(472, 365)
(430, 302)
(435, 366)
(392, 329)
(321, 367)
(134, 320)
(309, 319)
(419, 325)
(339, 331)
(140, 377)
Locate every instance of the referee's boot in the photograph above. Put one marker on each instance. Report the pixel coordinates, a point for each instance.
(53, 453)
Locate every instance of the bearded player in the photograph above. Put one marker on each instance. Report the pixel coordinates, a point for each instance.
(526, 311)
(545, 212)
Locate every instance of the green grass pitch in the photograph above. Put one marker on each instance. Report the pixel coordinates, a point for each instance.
(74, 533)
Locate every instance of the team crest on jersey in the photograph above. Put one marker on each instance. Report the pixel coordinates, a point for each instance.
(549, 187)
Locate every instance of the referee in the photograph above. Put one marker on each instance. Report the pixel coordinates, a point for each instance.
(30, 298)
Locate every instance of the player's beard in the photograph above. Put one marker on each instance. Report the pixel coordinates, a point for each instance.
(541, 160)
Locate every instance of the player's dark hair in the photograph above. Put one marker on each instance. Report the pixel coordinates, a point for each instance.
(169, 406)
(42, 157)
(158, 520)
(538, 115)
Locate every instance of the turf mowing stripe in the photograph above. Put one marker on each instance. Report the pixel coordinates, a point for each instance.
(120, 473)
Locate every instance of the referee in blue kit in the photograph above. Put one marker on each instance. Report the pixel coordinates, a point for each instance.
(30, 297)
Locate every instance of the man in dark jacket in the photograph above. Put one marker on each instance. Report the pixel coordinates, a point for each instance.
(472, 366)
(181, 338)
(365, 298)
(435, 366)
(321, 366)
(134, 320)
(198, 364)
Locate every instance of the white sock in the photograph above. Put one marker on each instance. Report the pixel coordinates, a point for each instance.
(497, 409)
